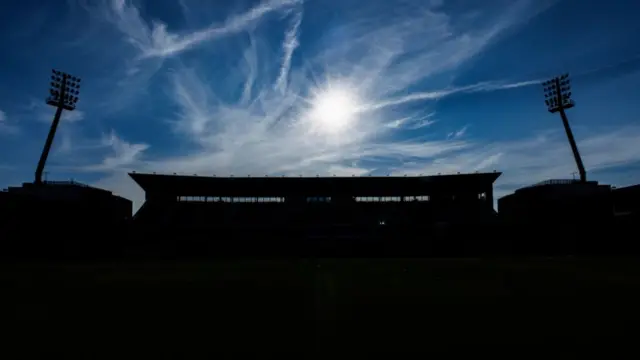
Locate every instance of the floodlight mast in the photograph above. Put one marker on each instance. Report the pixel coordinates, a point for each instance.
(558, 99)
(64, 96)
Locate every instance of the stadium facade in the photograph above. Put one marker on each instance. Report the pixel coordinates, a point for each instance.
(212, 202)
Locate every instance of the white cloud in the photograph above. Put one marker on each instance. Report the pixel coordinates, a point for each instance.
(457, 134)
(289, 45)
(5, 127)
(45, 113)
(122, 154)
(543, 157)
(72, 116)
(412, 122)
(439, 94)
(155, 40)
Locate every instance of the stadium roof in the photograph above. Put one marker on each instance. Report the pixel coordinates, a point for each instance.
(179, 185)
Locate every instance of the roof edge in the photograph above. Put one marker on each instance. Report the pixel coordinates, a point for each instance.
(135, 175)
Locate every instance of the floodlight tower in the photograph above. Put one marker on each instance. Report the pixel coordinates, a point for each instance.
(63, 95)
(557, 93)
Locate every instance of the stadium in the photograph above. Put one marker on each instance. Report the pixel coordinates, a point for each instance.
(196, 216)
(271, 214)
(194, 201)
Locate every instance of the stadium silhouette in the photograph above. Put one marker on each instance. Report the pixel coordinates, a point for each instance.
(441, 215)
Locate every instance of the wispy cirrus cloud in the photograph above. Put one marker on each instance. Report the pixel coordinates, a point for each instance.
(121, 155)
(289, 45)
(151, 42)
(44, 113)
(413, 122)
(156, 40)
(5, 126)
(457, 134)
(543, 156)
(439, 94)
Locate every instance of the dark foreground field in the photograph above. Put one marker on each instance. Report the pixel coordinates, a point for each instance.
(318, 306)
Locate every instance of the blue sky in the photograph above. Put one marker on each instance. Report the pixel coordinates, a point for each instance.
(292, 87)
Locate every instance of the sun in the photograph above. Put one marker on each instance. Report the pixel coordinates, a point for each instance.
(335, 109)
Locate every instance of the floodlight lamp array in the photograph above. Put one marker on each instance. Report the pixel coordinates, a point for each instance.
(557, 93)
(64, 90)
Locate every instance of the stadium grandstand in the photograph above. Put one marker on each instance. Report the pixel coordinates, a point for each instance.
(62, 203)
(558, 201)
(61, 218)
(271, 213)
(627, 201)
(197, 201)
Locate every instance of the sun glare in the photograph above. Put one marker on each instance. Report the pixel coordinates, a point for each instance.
(335, 109)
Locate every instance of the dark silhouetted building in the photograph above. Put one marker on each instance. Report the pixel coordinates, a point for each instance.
(62, 204)
(558, 201)
(196, 202)
(626, 201)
